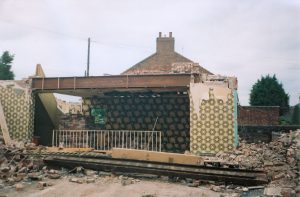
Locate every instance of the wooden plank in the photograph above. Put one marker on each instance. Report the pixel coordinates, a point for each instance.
(69, 150)
(162, 157)
(107, 152)
(4, 127)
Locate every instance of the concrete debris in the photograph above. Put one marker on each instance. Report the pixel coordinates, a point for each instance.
(41, 185)
(164, 178)
(82, 180)
(19, 187)
(216, 188)
(76, 180)
(279, 158)
(245, 189)
(102, 173)
(90, 180)
(125, 182)
(89, 172)
(149, 195)
(288, 192)
(34, 176)
(272, 191)
(16, 165)
(54, 176)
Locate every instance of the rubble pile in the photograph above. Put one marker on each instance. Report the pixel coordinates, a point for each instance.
(279, 158)
(16, 165)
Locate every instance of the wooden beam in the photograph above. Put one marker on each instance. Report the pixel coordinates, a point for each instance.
(4, 127)
(227, 175)
(112, 82)
(68, 150)
(162, 157)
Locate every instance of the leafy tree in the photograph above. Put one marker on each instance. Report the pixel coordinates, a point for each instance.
(267, 91)
(5, 66)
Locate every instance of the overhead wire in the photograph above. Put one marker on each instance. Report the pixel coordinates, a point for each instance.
(82, 38)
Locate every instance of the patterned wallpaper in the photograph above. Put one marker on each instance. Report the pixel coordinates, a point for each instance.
(18, 106)
(139, 113)
(212, 119)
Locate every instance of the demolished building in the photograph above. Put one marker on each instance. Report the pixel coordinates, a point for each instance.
(192, 109)
(138, 121)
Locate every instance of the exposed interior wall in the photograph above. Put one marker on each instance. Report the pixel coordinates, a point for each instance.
(72, 122)
(49, 102)
(18, 105)
(43, 125)
(139, 112)
(47, 99)
(212, 118)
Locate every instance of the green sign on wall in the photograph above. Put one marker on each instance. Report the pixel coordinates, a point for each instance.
(99, 115)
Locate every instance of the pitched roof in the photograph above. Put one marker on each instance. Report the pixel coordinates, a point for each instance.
(165, 60)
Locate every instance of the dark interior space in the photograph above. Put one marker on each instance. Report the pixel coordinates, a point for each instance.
(43, 125)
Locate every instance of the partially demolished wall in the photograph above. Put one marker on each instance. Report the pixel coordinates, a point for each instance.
(140, 111)
(213, 107)
(18, 105)
(202, 120)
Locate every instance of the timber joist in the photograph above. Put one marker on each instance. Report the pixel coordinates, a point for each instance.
(112, 82)
(104, 163)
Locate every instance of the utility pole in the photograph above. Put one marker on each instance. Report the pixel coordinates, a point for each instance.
(88, 58)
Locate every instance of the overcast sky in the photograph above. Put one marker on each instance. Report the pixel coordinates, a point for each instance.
(246, 39)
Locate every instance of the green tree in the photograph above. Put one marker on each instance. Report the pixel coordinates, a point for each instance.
(5, 66)
(267, 91)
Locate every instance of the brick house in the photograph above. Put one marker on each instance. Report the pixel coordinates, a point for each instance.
(165, 60)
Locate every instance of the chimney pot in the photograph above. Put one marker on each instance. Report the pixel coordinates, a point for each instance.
(165, 44)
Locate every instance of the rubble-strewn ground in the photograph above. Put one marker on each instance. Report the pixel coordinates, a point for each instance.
(22, 174)
(110, 187)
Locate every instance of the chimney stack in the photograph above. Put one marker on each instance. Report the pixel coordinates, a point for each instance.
(165, 44)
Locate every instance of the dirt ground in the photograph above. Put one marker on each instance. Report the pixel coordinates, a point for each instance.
(63, 187)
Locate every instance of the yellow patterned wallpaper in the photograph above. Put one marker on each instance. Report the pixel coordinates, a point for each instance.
(211, 118)
(18, 106)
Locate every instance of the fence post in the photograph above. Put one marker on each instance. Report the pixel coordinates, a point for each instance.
(159, 141)
(87, 139)
(52, 138)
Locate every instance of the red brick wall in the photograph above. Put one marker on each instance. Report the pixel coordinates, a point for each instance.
(72, 122)
(264, 115)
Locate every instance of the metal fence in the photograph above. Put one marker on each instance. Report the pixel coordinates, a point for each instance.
(107, 139)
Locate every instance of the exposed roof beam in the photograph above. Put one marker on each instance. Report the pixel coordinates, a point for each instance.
(111, 82)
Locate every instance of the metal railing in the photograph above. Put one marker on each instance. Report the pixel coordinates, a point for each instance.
(107, 139)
